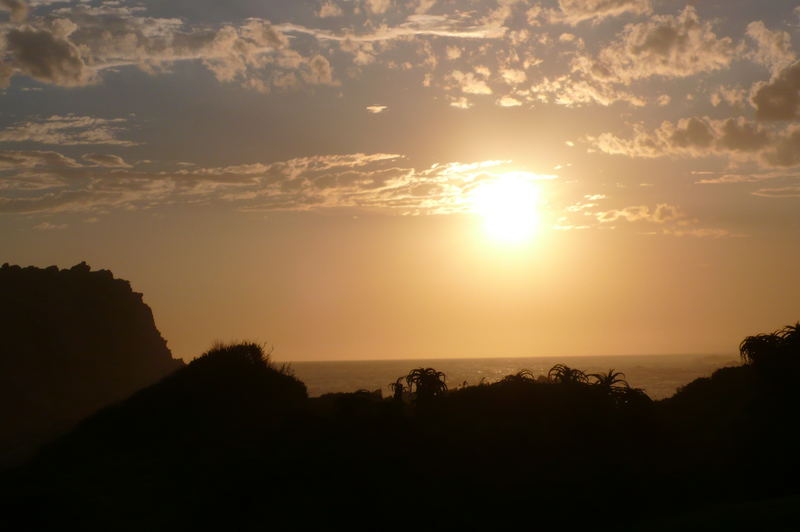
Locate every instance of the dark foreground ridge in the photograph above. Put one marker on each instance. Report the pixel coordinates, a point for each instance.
(232, 442)
(72, 341)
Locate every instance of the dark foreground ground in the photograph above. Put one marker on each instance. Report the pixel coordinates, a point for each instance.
(231, 442)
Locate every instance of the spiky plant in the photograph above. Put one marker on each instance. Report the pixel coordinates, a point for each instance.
(563, 374)
(761, 348)
(524, 376)
(397, 389)
(427, 383)
(612, 379)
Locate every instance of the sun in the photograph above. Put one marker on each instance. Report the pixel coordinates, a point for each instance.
(509, 207)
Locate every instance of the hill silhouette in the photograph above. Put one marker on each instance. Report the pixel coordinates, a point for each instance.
(73, 341)
(232, 441)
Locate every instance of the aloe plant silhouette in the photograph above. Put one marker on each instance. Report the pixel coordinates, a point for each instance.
(426, 383)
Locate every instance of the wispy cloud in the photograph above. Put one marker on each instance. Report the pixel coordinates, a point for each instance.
(577, 11)
(372, 182)
(68, 130)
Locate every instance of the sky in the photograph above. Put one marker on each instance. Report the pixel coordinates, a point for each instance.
(367, 179)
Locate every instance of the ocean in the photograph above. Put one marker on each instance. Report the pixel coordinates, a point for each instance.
(659, 375)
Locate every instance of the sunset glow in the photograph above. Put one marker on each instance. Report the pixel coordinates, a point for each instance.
(350, 179)
(509, 207)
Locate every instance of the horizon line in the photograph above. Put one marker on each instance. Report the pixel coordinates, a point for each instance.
(444, 358)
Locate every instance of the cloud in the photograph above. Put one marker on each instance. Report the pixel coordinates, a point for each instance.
(570, 92)
(329, 9)
(455, 25)
(319, 72)
(34, 159)
(779, 192)
(106, 160)
(773, 48)
(47, 226)
(662, 213)
(453, 52)
(470, 82)
(508, 101)
(376, 109)
(48, 56)
(664, 46)
(576, 11)
(460, 102)
(786, 149)
(18, 9)
(732, 96)
(663, 218)
(729, 177)
(372, 182)
(702, 137)
(514, 76)
(779, 99)
(72, 46)
(701, 232)
(67, 130)
(377, 6)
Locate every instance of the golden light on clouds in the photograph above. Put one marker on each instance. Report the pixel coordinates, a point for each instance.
(509, 206)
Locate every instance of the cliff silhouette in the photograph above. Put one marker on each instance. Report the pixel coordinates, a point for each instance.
(73, 341)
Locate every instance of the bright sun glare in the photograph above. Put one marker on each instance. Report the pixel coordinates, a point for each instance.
(508, 205)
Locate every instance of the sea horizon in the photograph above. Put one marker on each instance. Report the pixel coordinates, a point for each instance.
(482, 357)
(658, 375)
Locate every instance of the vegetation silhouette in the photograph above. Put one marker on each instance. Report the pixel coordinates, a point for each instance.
(232, 441)
(426, 384)
(779, 350)
(609, 380)
(563, 374)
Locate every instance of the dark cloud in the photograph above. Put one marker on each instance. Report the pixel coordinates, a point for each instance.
(737, 138)
(48, 56)
(692, 133)
(786, 151)
(742, 136)
(665, 45)
(70, 46)
(779, 99)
